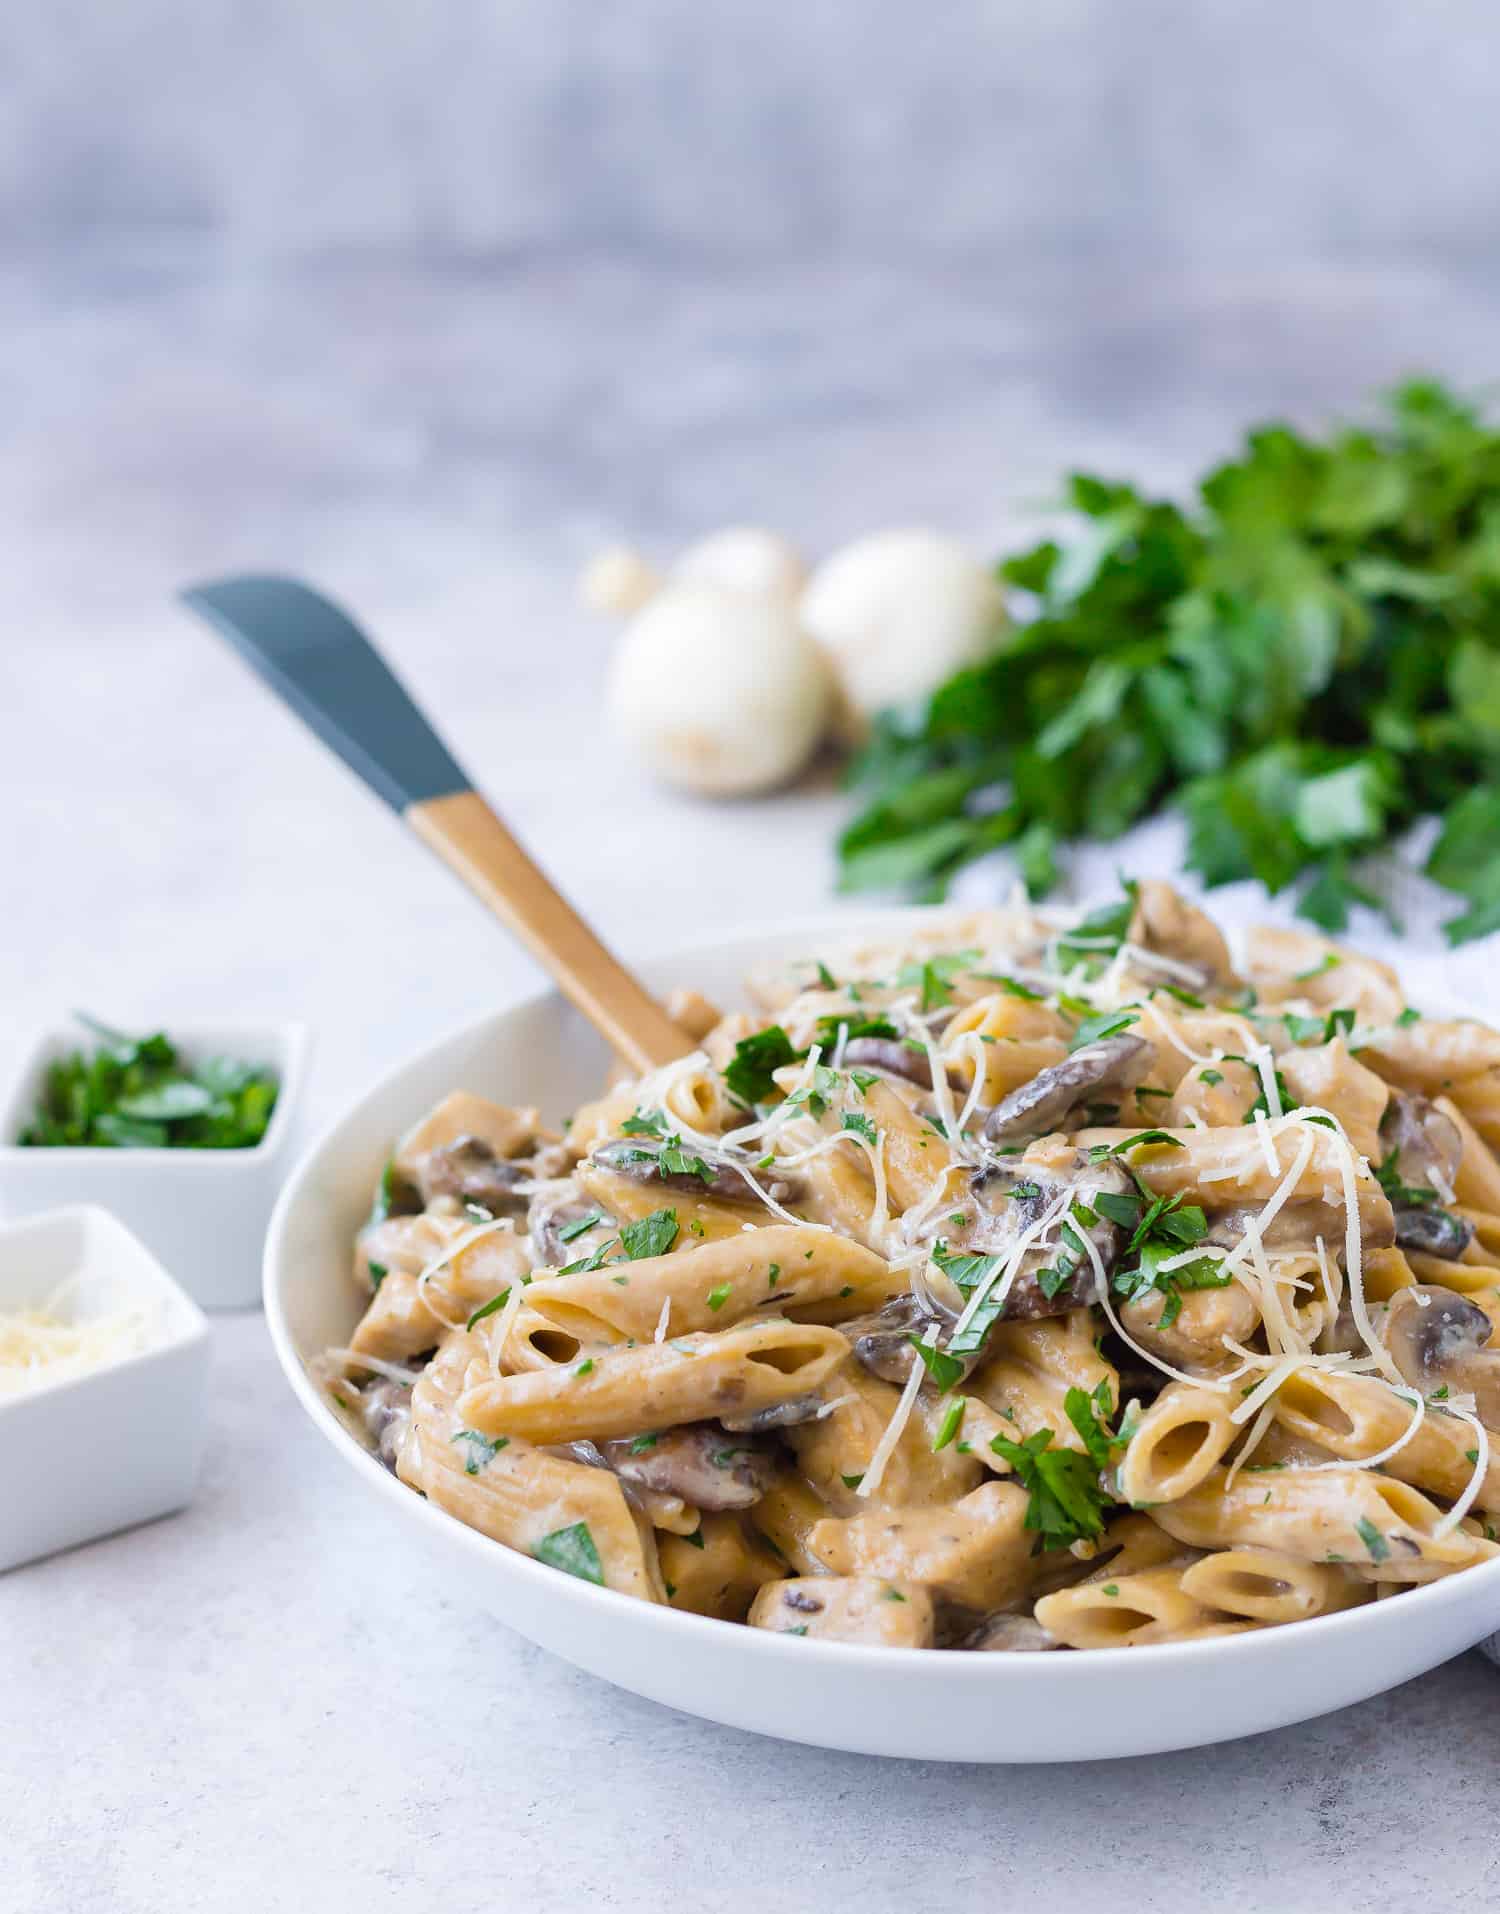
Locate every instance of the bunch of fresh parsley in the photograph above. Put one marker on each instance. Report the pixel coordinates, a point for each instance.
(1304, 661)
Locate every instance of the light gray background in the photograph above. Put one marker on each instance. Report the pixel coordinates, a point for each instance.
(424, 302)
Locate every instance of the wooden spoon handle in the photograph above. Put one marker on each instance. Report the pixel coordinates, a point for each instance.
(471, 840)
(320, 663)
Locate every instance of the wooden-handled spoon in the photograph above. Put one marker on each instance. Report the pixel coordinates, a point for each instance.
(319, 662)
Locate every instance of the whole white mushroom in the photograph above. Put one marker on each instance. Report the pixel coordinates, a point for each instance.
(745, 559)
(718, 693)
(897, 613)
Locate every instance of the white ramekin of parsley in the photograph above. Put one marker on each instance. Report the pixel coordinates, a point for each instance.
(185, 1134)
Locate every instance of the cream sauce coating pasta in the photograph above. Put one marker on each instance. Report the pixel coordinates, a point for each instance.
(1024, 1285)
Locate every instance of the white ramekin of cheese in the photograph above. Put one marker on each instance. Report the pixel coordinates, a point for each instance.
(94, 1335)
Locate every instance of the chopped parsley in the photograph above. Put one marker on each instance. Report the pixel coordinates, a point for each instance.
(651, 1235)
(1066, 1502)
(864, 1126)
(852, 1481)
(749, 1075)
(1094, 944)
(968, 1273)
(572, 1550)
(951, 1423)
(584, 1263)
(826, 977)
(1164, 1138)
(1089, 1414)
(586, 1367)
(935, 976)
(944, 1370)
(1107, 1023)
(378, 1273)
(140, 1093)
(479, 1451)
(1328, 962)
(645, 1123)
(489, 1308)
(569, 1231)
(1012, 987)
(719, 1295)
(1211, 1076)
(1373, 1540)
(816, 1096)
(675, 1161)
(1260, 1107)
(641, 1443)
(826, 1034)
(1408, 1017)
(1167, 1226)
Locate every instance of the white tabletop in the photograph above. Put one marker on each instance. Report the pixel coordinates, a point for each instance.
(259, 1704)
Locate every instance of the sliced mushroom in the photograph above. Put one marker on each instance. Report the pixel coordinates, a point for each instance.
(897, 1059)
(1428, 1145)
(1439, 1339)
(698, 1462)
(385, 1409)
(644, 1160)
(468, 1171)
(1009, 1198)
(555, 1211)
(1434, 1232)
(1425, 1148)
(780, 1415)
(1295, 1226)
(882, 1341)
(1043, 1105)
(1009, 1635)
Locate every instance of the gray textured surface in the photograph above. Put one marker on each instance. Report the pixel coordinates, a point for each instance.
(1214, 131)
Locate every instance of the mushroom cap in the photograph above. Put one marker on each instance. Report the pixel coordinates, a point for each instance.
(1430, 1332)
(746, 559)
(1034, 1108)
(720, 694)
(897, 613)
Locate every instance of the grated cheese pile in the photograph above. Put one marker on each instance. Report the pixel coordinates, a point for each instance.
(42, 1346)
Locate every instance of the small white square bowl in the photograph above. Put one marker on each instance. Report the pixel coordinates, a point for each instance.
(144, 1415)
(203, 1212)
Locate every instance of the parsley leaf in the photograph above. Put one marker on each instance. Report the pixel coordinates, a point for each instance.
(572, 1550)
(1066, 1502)
(1108, 1023)
(651, 1235)
(479, 1450)
(944, 1370)
(749, 1073)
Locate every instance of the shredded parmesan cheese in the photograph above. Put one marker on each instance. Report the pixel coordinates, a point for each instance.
(41, 1346)
(885, 1448)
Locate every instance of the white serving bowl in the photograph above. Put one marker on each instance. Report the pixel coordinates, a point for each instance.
(88, 1454)
(203, 1212)
(929, 1705)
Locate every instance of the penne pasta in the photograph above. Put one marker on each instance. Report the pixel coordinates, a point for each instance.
(713, 1285)
(1013, 1285)
(656, 1385)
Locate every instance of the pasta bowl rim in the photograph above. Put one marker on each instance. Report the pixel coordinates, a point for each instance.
(667, 1625)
